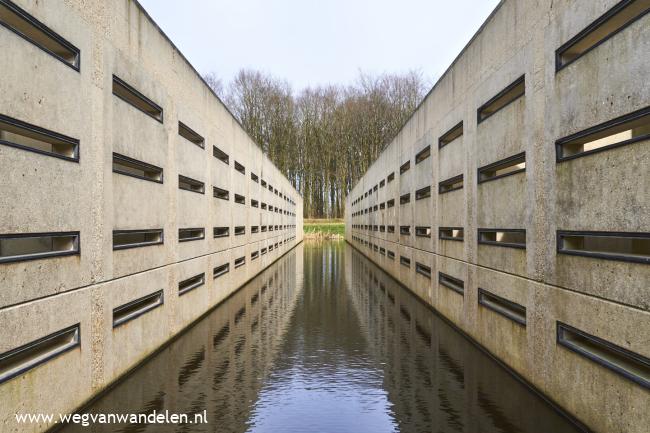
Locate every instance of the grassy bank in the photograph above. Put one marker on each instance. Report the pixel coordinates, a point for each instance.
(323, 229)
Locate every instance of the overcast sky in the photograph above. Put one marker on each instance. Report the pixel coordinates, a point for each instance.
(312, 42)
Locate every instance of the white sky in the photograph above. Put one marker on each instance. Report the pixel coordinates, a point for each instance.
(312, 42)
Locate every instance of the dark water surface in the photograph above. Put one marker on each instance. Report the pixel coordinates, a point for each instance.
(324, 341)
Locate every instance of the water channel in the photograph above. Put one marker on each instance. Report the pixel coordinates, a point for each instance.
(324, 341)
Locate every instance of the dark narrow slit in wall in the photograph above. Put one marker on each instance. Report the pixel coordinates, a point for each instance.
(452, 283)
(607, 25)
(133, 97)
(628, 364)
(423, 270)
(191, 234)
(189, 184)
(422, 155)
(220, 155)
(187, 133)
(630, 247)
(423, 231)
(451, 233)
(240, 168)
(240, 261)
(25, 136)
(405, 167)
(240, 199)
(423, 193)
(513, 238)
(451, 184)
(624, 130)
(510, 94)
(220, 270)
(405, 261)
(127, 312)
(502, 306)
(32, 246)
(191, 284)
(220, 232)
(451, 135)
(240, 230)
(405, 198)
(138, 169)
(123, 239)
(22, 359)
(505, 167)
(220, 193)
(405, 230)
(32, 30)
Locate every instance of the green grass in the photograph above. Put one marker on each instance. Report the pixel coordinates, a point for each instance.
(326, 227)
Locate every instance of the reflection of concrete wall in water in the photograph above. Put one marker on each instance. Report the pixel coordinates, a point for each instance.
(435, 377)
(515, 202)
(234, 347)
(126, 183)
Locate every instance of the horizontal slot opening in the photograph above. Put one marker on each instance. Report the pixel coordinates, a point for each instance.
(270, 247)
(187, 133)
(263, 206)
(423, 193)
(450, 135)
(264, 228)
(382, 251)
(390, 229)
(514, 238)
(390, 203)
(123, 239)
(374, 188)
(255, 229)
(32, 246)
(406, 198)
(405, 167)
(34, 31)
(452, 283)
(382, 229)
(390, 254)
(270, 228)
(633, 247)
(270, 187)
(404, 230)
(506, 167)
(22, 135)
(189, 184)
(423, 232)
(22, 359)
(241, 261)
(382, 205)
(220, 270)
(451, 184)
(423, 270)
(263, 183)
(220, 232)
(405, 261)
(133, 97)
(240, 230)
(255, 203)
(382, 183)
(451, 233)
(254, 177)
(375, 208)
(220, 155)
(375, 228)
(240, 168)
(390, 178)
(606, 26)
(509, 309)
(134, 168)
(191, 284)
(133, 309)
(623, 130)
(193, 234)
(422, 155)
(624, 362)
(375, 247)
(219, 193)
(263, 250)
(254, 255)
(240, 199)
(502, 99)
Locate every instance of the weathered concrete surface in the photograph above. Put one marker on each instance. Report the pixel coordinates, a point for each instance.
(607, 191)
(44, 194)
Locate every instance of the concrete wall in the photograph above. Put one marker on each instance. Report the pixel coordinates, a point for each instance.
(40, 193)
(607, 296)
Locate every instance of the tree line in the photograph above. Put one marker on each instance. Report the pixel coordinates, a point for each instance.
(322, 138)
